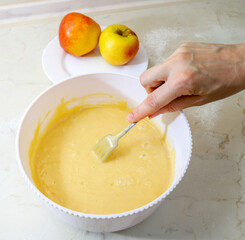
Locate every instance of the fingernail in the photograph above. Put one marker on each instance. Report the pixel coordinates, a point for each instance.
(130, 117)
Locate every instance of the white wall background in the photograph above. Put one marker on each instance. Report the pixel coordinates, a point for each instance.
(15, 11)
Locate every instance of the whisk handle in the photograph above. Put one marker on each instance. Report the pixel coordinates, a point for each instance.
(122, 133)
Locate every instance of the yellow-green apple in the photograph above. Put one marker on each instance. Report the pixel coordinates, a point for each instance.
(118, 44)
(78, 34)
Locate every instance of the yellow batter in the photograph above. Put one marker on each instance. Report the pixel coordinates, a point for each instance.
(66, 171)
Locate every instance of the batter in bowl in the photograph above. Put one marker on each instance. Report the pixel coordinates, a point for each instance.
(66, 171)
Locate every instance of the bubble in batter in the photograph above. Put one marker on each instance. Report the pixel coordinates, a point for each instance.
(143, 155)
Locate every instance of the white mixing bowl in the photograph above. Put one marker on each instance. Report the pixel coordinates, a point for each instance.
(174, 125)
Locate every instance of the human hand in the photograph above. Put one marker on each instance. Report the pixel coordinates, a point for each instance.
(195, 74)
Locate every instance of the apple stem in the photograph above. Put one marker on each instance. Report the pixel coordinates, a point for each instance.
(119, 32)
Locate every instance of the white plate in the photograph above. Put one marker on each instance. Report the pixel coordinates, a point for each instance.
(59, 65)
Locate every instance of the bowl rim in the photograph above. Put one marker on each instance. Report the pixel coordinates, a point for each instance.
(87, 215)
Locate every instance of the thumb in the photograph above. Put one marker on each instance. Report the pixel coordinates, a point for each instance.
(154, 101)
(179, 104)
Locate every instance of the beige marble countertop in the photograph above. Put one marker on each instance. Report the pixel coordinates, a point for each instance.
(210, 201)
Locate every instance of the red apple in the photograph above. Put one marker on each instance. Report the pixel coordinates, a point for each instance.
(78, 34)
